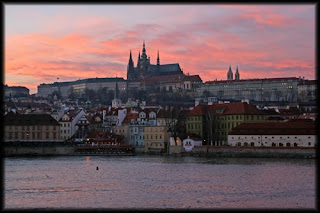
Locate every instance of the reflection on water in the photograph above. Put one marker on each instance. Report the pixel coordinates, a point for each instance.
(158, 182)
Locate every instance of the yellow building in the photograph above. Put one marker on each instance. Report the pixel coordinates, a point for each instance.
(31, 128)
(155, 138)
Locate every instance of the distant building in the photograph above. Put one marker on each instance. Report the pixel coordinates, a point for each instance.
(31, 128)
(258, 90)
(15, 91)
(158, 77)
(293, 133)
(145, 69)
(78, 87)
(307, 90)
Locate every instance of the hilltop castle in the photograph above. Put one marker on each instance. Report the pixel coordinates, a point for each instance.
(144, 69)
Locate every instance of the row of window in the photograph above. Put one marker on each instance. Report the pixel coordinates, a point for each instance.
(272, 137)
(273, 144)
(33, 127)
(31, 135)
(154, 144)
(147, 129)
(147, 137)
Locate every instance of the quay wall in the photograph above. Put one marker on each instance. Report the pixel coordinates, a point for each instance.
(38, 151)
(61, 150)
(206, 151)
(253, 152)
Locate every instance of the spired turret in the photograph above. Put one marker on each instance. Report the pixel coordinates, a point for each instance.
(230, 74)
(237, 75)
(130, 69)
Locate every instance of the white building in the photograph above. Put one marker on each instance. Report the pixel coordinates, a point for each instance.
(189, 143)
(68, 123)
(293, 133)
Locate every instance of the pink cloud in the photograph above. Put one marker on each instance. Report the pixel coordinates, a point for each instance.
(258, 40)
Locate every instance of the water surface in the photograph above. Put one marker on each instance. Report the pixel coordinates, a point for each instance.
(159, 182)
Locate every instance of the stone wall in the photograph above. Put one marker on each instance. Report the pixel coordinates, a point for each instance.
(254, 152)
(37, 151)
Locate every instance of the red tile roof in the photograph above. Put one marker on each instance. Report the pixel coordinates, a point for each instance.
(29, 119)
(192, 78)
(292, 127)
(129, 117)
(236, 108)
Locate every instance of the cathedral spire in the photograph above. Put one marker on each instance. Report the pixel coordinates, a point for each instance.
(130, 68)
(158, 59)
(237, 75)
(116, 92)
(130, 58)
(143, 48)
(144, 54)
(230, 74)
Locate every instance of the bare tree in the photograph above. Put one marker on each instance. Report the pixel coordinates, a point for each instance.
(175, 117)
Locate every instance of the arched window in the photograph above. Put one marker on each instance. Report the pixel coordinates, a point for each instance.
(288, 144)
(295, 144)
(280, 144)
(245, 144)
(239, 144)
(273, 144)
(252, 143)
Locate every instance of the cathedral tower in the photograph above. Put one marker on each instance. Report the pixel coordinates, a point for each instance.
(130, 69)
(237, 75)
(230, 74)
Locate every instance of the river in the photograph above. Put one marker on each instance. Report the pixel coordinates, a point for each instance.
(158, 182)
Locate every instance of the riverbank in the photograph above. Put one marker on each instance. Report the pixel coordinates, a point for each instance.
(252, 152)
(203, 151)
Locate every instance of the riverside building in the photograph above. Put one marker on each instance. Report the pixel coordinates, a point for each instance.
(31, 128)
(293, 133)
(214, 122)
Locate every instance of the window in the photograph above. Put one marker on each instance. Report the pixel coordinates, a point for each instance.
(10, 135)
(47, 135)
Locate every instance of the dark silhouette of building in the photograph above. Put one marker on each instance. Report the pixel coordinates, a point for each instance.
(145, 69)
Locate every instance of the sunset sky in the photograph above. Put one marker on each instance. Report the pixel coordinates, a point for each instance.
(71, 42)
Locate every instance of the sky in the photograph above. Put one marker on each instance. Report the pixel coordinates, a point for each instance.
(47, 43)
